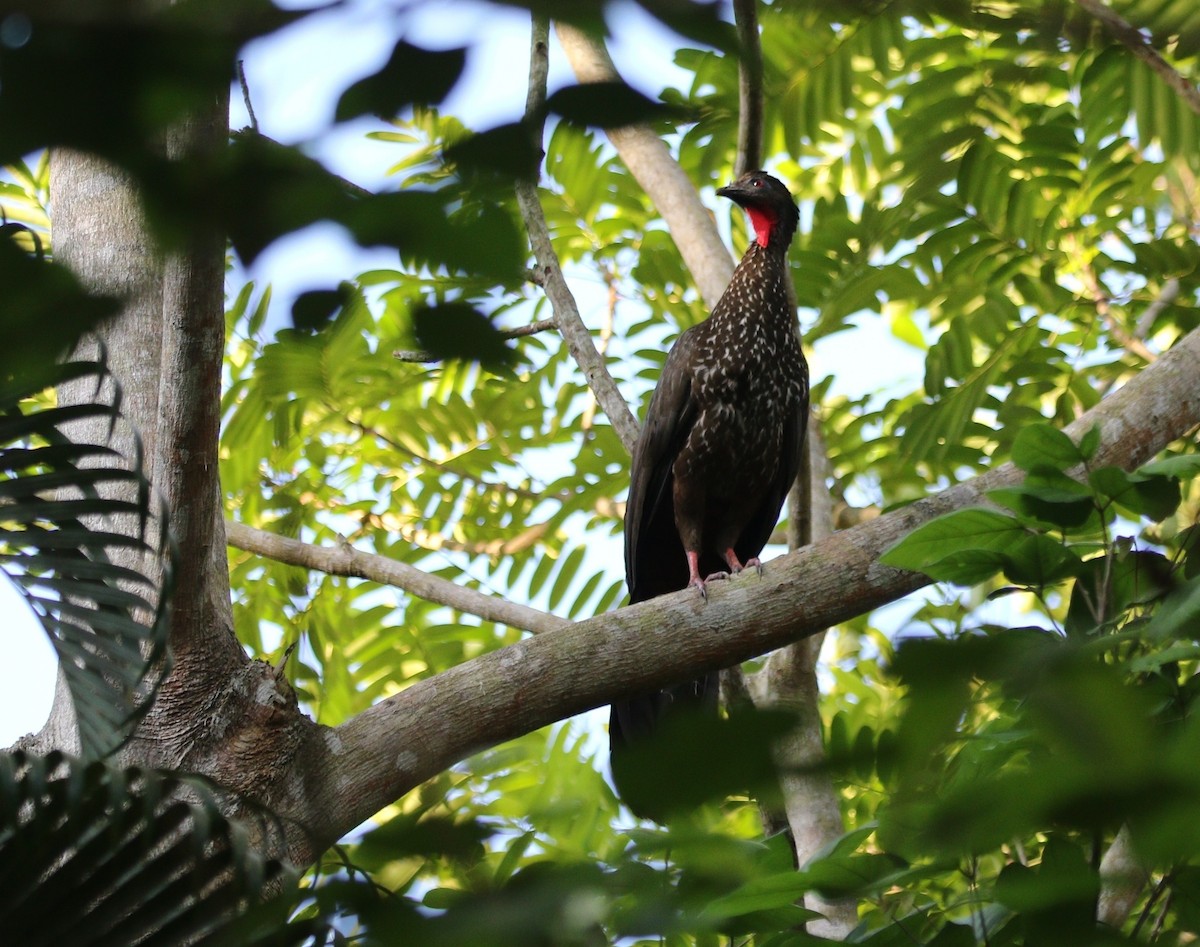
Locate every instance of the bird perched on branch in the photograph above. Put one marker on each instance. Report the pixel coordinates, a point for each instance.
(721, 443)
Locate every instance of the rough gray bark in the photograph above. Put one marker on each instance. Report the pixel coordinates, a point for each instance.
(100, 233)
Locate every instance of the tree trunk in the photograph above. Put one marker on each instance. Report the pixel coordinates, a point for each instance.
(217, 713)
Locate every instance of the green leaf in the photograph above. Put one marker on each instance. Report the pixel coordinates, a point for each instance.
(1108, 586)
(95, 562)
(458, 331)
(411, 76)
(429, 837)
(1178, 615)
(1143, 494)
(762, 894)
(508, 152)
(316, 307)
(606, 105)
(1178, 466)
(1041, 445)
(1048, 496)
(968, 546)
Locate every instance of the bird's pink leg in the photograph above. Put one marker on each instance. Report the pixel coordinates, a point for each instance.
(736, 565)
(693, 559)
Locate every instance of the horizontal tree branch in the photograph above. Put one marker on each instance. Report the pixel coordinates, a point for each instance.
(346, 560)
(372, 759)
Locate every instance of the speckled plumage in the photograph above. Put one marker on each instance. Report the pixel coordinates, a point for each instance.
(722, 440)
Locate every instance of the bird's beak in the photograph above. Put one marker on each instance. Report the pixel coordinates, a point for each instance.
(736, 192)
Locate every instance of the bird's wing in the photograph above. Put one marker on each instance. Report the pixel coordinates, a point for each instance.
(654, 559)
(760, 526)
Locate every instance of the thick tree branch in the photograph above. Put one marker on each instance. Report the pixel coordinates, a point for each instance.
(189, 422)
(750, 88)
(346, 560)
(659, 175)
(1138, 44)
(350, 772)
(566, 312)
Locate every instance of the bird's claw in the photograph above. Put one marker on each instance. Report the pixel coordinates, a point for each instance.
(702, 584)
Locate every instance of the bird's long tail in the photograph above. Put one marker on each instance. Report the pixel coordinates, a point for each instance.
(634, 719)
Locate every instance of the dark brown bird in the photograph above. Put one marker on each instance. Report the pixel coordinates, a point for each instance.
(721, 444)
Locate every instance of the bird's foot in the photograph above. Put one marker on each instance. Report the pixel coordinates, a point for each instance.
(736, 565)
(702, 584)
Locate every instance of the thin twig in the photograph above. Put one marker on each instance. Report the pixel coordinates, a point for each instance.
(355, 189)
(1138, 44)
(750, 88)
(1100, 299)
(348, 561)
(566, 312)
(424, 355)
(241, 73)
(1170, 292)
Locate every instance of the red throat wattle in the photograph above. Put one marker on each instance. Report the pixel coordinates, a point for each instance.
(763, 221)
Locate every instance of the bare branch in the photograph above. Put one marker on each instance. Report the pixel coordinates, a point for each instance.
(1101, 300)
(664, 181)
(241, 74)
(346, 560)
(395, 745)
(1170, 292)
(566, 312)
(750, 88)
(1141, 47)
(789, 680)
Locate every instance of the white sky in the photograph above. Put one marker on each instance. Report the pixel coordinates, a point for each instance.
(295, 78)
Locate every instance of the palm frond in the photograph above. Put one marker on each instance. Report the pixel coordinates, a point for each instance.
(95, 854)
(85, 542)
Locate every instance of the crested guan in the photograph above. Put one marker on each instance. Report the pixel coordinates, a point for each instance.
(720, 447)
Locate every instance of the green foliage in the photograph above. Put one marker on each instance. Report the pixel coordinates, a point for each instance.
(1010, 192)
(142, 866)
(67, 508)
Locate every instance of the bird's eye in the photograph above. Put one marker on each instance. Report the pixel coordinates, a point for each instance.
(757, 182)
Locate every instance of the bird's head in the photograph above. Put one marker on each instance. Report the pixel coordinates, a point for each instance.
(770, 206)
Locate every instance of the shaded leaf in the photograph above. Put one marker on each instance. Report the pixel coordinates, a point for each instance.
(607, 105)
(103, 854)
(411, 76)
(86, 544)
(459, 331)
